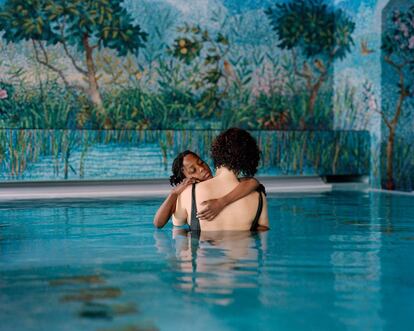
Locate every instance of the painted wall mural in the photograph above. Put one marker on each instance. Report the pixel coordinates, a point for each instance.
(135, 65)
(397, 112)
(127, 154)
(367, 89)
(111, 65)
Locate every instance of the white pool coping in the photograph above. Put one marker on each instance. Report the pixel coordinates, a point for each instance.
(147, 188)
(393, 192)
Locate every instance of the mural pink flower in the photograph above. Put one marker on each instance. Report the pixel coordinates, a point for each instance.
(404, 29)
(267, 82)
(372, 103)
(3, 94)
(411, 43)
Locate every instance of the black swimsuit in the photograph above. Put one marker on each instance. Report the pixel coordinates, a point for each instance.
(195, 222)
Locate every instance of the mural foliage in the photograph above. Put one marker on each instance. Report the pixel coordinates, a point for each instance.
(85, 66)
(321, 35)
(85, 27)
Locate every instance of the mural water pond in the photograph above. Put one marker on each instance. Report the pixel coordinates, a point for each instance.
(86, 154)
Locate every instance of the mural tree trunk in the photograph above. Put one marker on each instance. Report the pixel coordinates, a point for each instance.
(314, 93)
(314, 79)
(392, 125)
(94, 93)
(312, 100)
(390, 161)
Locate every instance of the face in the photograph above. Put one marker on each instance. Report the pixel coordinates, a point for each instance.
(194, 167)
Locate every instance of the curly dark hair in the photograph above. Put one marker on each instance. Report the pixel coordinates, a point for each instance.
(236, 150)
(177, 168)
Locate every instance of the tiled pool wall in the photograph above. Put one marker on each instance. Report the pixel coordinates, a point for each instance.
(97, 155)
(208, 66)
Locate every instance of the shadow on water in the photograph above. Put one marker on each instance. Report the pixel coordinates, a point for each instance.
(96, 301)
(95, 310)
(82, 279)
(93, 294)
(143, 327)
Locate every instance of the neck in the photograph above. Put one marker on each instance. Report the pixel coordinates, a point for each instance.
(223, 172)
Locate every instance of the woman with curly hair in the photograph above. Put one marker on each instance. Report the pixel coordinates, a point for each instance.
(235, 153)
(188, 168)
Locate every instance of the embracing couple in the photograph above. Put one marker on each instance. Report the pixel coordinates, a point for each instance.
(225, 202)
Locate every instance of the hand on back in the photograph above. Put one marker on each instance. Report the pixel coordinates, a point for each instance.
(211, 209)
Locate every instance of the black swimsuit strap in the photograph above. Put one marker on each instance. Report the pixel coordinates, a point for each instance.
(195, 222)
(255, 223)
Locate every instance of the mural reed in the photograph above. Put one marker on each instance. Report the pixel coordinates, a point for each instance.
(66, 152)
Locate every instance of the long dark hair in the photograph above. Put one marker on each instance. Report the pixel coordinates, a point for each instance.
(177, 168)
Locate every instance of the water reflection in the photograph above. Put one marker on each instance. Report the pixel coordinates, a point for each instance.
(214, 265)
(356, 264)
(81, 279)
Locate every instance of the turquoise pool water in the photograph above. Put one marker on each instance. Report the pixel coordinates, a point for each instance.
(337, 261)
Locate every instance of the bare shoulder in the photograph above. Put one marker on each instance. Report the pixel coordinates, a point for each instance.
(202, 187)
(187, 192)
(205, 183)
(181, 208)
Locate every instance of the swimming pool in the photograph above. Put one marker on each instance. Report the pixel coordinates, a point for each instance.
(340, 260)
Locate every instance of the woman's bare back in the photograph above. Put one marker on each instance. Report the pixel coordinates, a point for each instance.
(237, 216)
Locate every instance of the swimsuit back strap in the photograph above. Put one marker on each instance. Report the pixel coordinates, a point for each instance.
(195, 222)
(255, 223)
